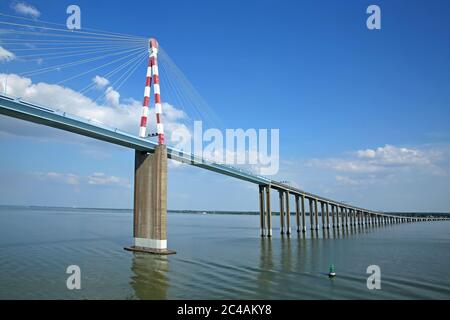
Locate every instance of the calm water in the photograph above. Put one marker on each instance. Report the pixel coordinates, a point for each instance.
(219, 257)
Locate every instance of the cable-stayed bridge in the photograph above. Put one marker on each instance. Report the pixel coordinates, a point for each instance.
(124, 54)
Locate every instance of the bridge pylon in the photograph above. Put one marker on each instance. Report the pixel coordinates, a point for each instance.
(150, 202)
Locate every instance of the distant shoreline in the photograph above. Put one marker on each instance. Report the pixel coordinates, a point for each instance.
(421, 214)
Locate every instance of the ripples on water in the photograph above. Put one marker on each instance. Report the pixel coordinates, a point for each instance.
(219, 257)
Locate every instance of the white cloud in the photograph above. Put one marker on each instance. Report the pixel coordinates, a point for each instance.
(390, 155)
(368, 153)
(95, 179)
(112, 97)
(26, 9)
(5, 55)
(382, 159)
(65, 178)
(99, 178)
(100, 82)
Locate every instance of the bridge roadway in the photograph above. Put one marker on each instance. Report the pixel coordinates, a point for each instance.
(17, 108)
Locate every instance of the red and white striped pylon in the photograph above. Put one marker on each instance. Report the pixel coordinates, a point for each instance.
(152, 72)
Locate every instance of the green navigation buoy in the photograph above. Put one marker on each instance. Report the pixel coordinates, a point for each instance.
(332, 271)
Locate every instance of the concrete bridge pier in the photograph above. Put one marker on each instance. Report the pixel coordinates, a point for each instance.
(338, 217)
(328, 215)
(297, 213)
(333, 216)
(316, 215)
(322, 213)
(268, 213)
(281, 194)
(302, 203)
(311, 214)
(288, 214)
(262, 210)
(150, 202)
(346, 216)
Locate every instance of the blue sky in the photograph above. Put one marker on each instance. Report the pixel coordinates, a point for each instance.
(363, 115)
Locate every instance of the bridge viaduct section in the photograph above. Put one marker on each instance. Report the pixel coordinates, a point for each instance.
(333, 215)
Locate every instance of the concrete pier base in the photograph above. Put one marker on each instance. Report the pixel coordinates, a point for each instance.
(150, 202)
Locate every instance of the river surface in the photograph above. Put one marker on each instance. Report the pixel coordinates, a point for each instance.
(219, 256)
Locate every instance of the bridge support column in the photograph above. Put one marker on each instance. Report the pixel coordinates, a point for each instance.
(281, 193)
(328, 215)
(150, 202)
(338, 217)
(268, 213)
(333, 216)
(344, 216)
(297, 212)
(288, 214)
(261, 210)
(352, 217)
(316, 214)
(322, 214)
(311, 214)
(302, 203)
